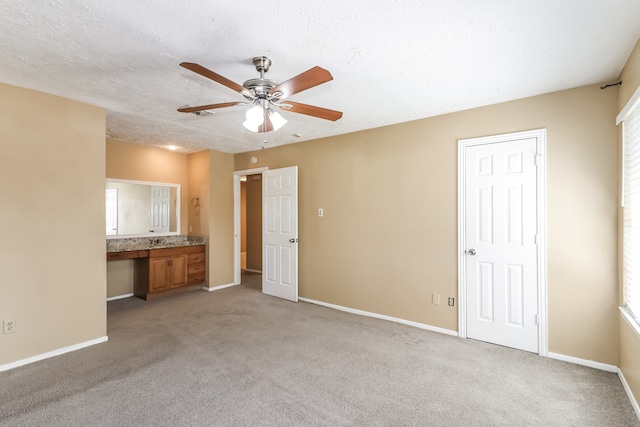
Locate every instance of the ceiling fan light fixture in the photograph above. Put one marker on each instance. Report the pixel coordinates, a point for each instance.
(254, 118)
(277, 120)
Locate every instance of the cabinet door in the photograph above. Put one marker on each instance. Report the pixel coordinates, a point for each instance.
(158, 270)
(177, 271)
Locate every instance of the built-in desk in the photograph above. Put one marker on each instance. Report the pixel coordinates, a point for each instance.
(162, 266)
(117, 256)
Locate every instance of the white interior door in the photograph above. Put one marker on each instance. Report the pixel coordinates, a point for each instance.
(280, 233)
(500, 243)
(160, 199)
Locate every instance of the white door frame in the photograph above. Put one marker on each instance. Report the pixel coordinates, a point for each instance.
(541, 223)
(237, 273)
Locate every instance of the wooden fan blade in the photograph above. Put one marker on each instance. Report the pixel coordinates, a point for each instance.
(206, 107)
(196, 68)
(310, 78)
(312, 110)
(266, 126)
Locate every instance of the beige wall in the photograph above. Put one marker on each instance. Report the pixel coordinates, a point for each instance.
(142, 163)
(198, 172)
(52, 249)
(254, 222)
(629, 340)
(630, 77)
(221, 250)
(388, 237)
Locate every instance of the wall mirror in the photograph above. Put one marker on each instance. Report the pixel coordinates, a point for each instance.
(141, 208)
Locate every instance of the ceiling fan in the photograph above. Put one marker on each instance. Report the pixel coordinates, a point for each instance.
(264, 95)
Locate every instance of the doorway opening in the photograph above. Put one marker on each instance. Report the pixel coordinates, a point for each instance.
(251, 230)
(248, 227)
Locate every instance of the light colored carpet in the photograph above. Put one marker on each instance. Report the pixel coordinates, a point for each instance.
(236, 357)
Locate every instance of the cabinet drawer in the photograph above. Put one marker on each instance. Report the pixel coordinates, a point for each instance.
(196, 258)
(196, 278)
(196, 269)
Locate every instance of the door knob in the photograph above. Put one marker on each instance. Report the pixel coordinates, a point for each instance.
(292, 240)
(471, 252)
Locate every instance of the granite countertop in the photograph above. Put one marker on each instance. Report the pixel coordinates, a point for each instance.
(146, 243)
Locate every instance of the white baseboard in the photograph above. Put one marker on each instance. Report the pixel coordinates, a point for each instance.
(217, 288)
(253, 271)
(53, 353)
(632, 398)
(602, 367)
(383, 317)
(119, 297)
(584, 362)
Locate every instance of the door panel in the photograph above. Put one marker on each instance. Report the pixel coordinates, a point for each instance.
(500, 226)
(485, 215)
(514, 215)
(280, 233)
(485, 289)
(160, 200)
(269, 267)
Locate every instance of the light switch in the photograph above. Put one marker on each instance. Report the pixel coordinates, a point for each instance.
(320, 212)
(435, 299)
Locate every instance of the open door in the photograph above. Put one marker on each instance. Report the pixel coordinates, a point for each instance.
(280, 233)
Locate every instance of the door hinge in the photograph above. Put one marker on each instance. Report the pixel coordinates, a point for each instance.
(537, 159)
(536, 319)
(535, 239)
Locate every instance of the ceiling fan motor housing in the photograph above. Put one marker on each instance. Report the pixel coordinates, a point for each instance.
(260, 86)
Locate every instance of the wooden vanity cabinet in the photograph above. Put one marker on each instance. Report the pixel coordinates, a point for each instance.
(196, 268)
(169, 271)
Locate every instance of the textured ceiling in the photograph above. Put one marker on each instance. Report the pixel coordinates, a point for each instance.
(392, 60)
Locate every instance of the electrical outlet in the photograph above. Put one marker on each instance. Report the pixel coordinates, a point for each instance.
(451, 301)
(9, 326)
